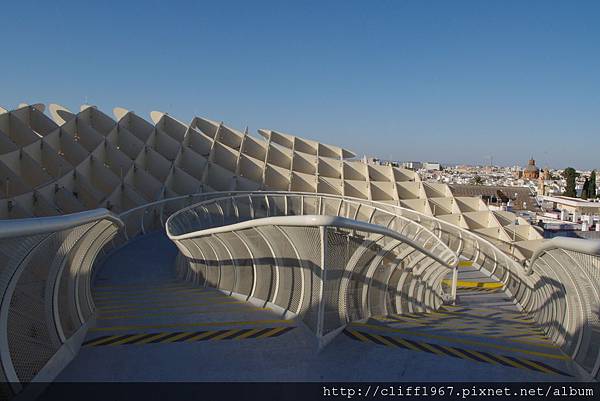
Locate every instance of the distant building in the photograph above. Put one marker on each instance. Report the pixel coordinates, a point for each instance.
(432, 166)
(371, 160)
(531, 172)
(520, 198)
(572, 205)
(412, 165)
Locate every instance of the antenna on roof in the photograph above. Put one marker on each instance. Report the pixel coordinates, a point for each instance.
(246, 130)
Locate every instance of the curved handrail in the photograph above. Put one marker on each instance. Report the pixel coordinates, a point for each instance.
(41, 225)
(377, 204)
(318, 220)
(289, 194)
(11, 228)
(590, 247)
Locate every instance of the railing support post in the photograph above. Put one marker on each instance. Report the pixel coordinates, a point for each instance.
(321, 312)
(454, 282)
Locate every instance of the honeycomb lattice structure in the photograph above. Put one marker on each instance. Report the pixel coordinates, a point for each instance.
(70, 162)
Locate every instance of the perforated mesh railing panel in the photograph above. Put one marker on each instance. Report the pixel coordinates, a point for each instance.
(414, 289)
(336, 260)
(590, 283)
(225, 263)
(264, 264)
(31, 341)
(243, 263)
(36, 270)
(12, 253)
(298, 274)
(211, 262)
(288, 267)
(307, 241)
(383, 267)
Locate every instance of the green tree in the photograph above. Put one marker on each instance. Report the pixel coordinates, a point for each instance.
(570, 175)
(585, 189)
(477, 180)
(592, 187)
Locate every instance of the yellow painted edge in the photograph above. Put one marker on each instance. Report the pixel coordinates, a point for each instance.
(197, 324)
(464, 341)
(477, 284)
(116, 317)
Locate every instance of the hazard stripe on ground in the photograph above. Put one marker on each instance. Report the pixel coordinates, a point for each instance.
(235, 308)
(553, 354)
(117, 303)
(477, 289)
(464, 314)
(506, 323)
(181, 336)
(455, 352)
(206, 324)
(150, 285)
(150, 294)
(477, 284)
(487, 312)
(149, 307)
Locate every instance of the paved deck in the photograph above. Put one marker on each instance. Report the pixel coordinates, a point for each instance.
(151, 327)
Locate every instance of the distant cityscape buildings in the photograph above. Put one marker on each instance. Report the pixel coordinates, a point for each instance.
(533, 193)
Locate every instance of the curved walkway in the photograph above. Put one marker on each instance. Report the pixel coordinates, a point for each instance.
(152, 327)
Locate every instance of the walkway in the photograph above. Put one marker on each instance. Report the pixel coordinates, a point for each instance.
(151, 326)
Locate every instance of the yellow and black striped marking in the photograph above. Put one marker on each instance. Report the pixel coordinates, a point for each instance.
(477, 289)
(475, 284)
(469, 316)
(481, 313)
(455, 352)
(177, 337)
(496, 324)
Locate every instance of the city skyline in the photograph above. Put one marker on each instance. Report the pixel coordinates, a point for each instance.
(408, 80)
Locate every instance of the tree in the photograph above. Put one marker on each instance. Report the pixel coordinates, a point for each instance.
(570, 174)
(585, 189)
(477, 180)
(592, 187)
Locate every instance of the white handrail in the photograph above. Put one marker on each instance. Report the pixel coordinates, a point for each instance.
(40, 225)
(318, 221)
(235, 195)
(587, 246)
(376, 204)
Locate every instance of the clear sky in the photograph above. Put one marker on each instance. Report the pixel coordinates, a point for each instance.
(450, 81)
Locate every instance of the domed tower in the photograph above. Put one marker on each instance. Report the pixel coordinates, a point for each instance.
(531, 172)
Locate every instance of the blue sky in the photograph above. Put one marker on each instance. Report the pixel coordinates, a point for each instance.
(453, 81)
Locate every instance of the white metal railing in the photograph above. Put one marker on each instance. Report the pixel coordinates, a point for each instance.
(443, 229)
(339, 285)
(318, 221)
(565, 298)
(535, 291)
(46, 304)
(72, 245)
(291, 203)
(585, 246)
